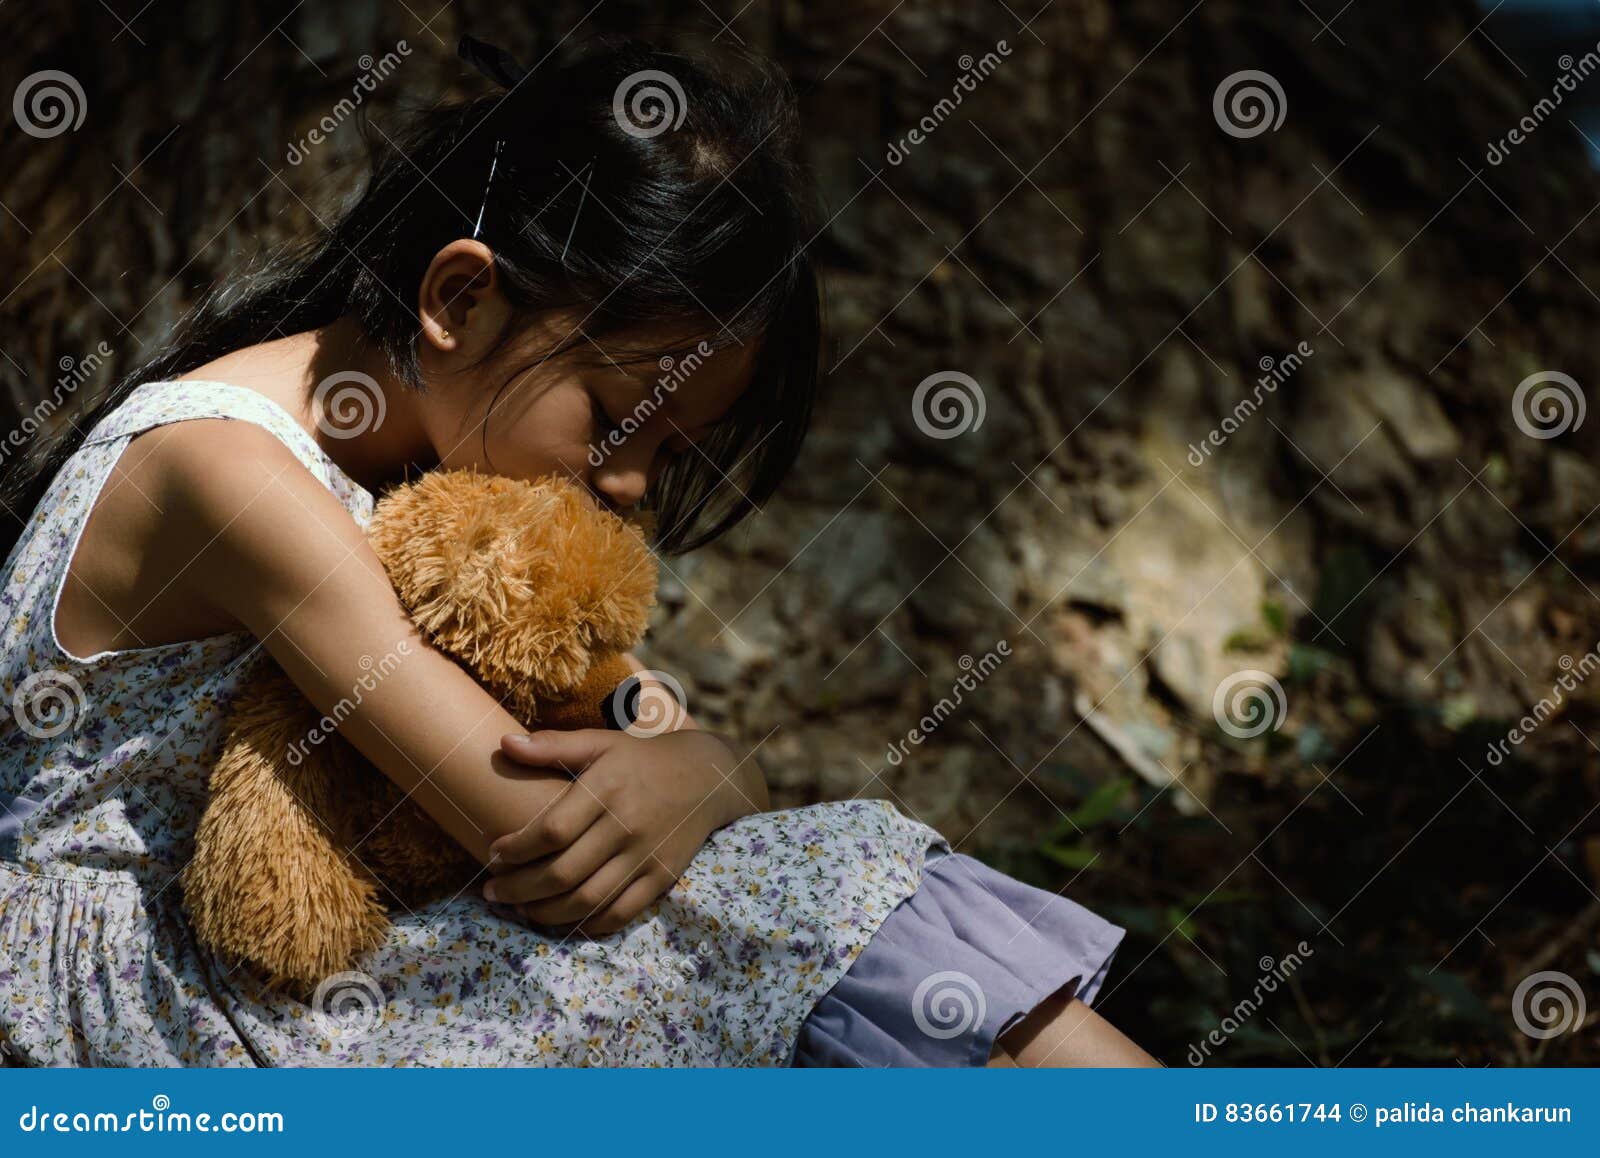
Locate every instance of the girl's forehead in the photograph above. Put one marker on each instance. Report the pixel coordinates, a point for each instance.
(651, 352)
(691, 377)
(697, 387)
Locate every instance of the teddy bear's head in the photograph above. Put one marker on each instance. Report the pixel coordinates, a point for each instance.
(535, 591)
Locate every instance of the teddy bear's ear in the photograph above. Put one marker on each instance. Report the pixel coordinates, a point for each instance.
(524, 582)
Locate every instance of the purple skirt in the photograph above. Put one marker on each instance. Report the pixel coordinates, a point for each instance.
(957, 964)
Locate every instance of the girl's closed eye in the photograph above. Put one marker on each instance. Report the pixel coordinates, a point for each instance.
(609, 433)
(603, 425)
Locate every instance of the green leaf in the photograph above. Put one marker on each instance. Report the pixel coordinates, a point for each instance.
(1220, 897)
(1248, 639)
(1456, 712)
(1180, 923)
(1102, 803)
(1073, 858)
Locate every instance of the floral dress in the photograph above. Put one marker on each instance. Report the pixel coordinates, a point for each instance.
(104, 761)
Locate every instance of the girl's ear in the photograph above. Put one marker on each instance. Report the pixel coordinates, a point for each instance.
(459, 303)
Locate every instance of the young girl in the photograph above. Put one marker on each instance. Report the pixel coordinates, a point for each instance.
(498, 298)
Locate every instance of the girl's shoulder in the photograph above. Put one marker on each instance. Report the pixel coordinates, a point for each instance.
(189, 514)
(205, 456)
(107, 560)
(213, 432)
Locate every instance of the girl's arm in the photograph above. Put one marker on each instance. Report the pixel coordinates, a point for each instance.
(256, 537)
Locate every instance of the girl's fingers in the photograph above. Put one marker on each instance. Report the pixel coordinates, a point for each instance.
(566, 818)
(587, 899)
(620, 913)
(571, 752)
(562, 872)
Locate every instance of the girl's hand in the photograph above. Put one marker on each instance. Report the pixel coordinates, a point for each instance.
(624, 830)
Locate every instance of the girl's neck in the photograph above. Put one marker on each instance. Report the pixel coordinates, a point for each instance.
(341, 394)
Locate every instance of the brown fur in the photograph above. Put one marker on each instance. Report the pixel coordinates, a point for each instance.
(533, 592)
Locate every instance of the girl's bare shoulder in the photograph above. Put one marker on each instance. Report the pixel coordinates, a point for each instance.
(133, 580)
(235, 496)
(193, 519)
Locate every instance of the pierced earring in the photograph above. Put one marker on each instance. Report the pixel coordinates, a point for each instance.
(444, 333)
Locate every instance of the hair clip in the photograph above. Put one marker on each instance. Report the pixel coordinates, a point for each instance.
(500, 66)
(576, 213)
(493, 164)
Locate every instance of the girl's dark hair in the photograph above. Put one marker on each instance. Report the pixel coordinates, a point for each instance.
(602, 201)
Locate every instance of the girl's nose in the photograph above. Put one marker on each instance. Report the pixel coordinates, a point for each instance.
(622, 485)
(625, 476)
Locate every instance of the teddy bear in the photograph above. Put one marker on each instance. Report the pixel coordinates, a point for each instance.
(303, 844)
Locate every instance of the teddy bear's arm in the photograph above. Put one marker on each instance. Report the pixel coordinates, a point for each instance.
(269, 883)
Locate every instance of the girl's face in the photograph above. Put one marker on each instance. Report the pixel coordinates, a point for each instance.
(597, 414)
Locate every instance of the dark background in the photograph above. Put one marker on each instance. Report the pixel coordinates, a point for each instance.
(1082, 238)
